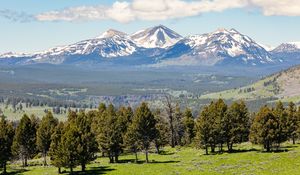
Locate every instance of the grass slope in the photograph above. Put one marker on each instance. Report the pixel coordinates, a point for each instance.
(284, 85)
(36, 110)
(250, 160)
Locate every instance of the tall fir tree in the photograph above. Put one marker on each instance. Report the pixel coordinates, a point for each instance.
(109, 134)
(189, 127)
(44, 132)
(144, 125)
(87, 147)
(292, 121)
(55, 151)
(6, 140)
(163, 135)
(281, 114)
(24, 144)
(203, 129)
(70, 146)
(265, 128)
(236, 124)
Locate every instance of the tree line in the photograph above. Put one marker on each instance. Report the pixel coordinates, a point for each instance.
(113, 131)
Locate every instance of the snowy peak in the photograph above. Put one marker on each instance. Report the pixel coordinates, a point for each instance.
(156, 37)
(221, 46)
(111, 33)
(288, 47)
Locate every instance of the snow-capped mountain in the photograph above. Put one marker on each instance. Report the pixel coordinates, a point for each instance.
(288, 52)
(161, 46)
(156, 37)
(220, 47)
(110, 44)
(288, 47)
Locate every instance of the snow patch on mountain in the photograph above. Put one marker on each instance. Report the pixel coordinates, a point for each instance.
(221, 45)
(287, 47)
(156, 37)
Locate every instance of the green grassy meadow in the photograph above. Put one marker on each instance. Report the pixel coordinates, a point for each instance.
(36, 110)
(187, 160)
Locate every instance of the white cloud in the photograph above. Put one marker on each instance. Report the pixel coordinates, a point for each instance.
(82, 13)
(278, 7)
(121, 12)
(150, 10)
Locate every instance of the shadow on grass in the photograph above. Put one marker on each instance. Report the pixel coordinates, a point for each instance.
(233, 151)
(243, 150)
(94, 171)
(166, 153)
(15, 172)
(143, 161)
(290, 146)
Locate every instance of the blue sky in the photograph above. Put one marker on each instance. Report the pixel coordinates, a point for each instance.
(33, 25)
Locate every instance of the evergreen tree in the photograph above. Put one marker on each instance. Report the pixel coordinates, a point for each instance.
(178, 126)
(170, 116)
(55, 151)
(265, 128)
(143, 124)
(221, 110)
(282, 116)
(70, 146)
(189, 127)
(125, 116)
(24, 144)
(44, 132)
(109, 134)
(131, 141)
(87, 147)
(203, 129)
(292, 121)
(236, 124)
(6, 140)
(162, 138)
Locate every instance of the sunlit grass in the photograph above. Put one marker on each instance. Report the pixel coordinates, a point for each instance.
(187, 160)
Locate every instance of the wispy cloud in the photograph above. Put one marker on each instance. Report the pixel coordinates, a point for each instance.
(142, 10)
(82, 13)
(16, 16)
(278, 7)
(151, 10)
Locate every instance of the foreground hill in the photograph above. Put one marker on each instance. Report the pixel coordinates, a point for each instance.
(189, 161)
(284, 85)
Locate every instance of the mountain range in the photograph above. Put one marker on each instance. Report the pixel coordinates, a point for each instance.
(161, 46)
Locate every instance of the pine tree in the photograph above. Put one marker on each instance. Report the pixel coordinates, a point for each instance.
(109, 134)
(292, 121)
(265, 128)
(282, 116)
(162, 138)
(189, 127)
(55, 151)
(125, 116)
(236, 124)
(178, 126)
(131, 141)
(219, 125)
(24, 144)
(171, 119)
(143, 124)
(70, 146)
(6, 140)
(87, 147)
(44, 132)
(203, 129)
